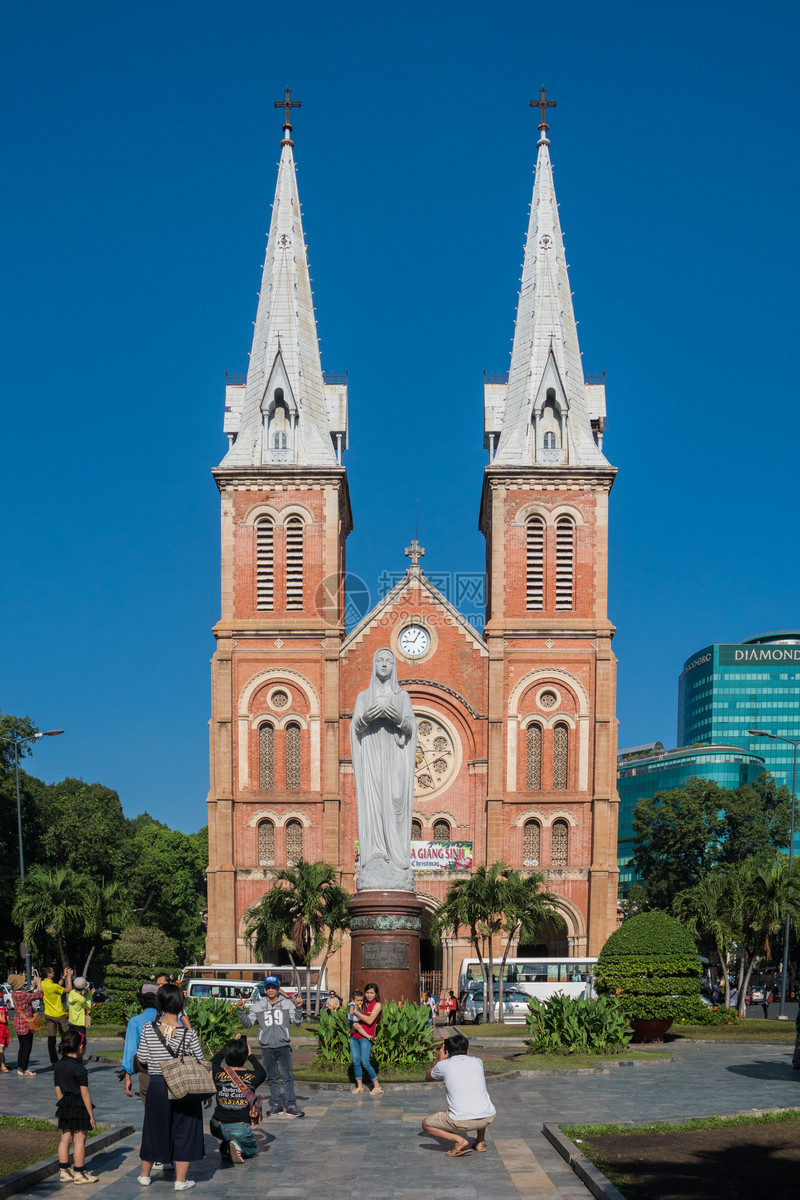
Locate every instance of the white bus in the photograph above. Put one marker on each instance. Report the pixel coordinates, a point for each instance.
(252, 973)
(540, 977)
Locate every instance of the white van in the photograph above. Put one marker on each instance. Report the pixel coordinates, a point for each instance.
(221, 989)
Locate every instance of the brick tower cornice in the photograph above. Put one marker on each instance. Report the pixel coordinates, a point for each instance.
(290, 479)
(543, 480)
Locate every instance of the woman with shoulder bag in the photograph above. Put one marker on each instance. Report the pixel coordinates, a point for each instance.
(173, 1129)
(26, 1021)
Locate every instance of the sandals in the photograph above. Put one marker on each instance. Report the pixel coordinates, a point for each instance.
(459, 1153)
(27, 1074)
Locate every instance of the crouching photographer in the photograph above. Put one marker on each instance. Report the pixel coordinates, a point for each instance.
(468, 1104)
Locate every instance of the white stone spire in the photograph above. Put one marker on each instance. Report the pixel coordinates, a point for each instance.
(549, 416)
(285, 413)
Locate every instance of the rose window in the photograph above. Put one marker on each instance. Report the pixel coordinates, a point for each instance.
(437, 760)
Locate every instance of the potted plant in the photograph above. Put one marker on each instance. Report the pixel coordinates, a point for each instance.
(651, 965)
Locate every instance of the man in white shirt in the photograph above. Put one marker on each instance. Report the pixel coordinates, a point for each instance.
(468, 1103)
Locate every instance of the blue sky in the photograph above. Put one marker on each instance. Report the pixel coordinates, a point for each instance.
(140, 146)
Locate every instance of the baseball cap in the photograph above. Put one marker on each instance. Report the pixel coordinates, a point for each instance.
(272, 981)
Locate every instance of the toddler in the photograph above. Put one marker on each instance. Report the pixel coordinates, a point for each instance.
(353, 1014)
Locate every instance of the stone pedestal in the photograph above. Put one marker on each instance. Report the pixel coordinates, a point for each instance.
(384, 935)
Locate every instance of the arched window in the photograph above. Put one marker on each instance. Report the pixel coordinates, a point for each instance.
(294, 842)
(441, 831)
(279, 424)
(416, 831)
(265, 530)
(535, 564)
(531, 843)
(266, 757)
(266, 844)
(561, 756)
(293, 756)
(533, 770)
(549, 442)
(294, 563)
(565, 563)
(560, 844)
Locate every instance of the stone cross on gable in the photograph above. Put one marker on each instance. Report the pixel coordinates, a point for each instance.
(414, 552)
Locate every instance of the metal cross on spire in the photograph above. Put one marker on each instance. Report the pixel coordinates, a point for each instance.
(542, 104)
(287, 104)
(414, 552)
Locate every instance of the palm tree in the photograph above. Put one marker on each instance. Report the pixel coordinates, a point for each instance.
(527, 907)
(57, 902)
(707, 912)
(109, 905)
(473, 904)
(302, 913)
(759, 896)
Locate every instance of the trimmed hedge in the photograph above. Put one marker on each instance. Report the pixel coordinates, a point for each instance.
(652, 967)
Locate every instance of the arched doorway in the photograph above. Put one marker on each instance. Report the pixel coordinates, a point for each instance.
(431, 956)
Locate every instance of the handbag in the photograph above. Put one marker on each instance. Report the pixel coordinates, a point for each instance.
(252, 1099)
(185, 1076)
(35, 1023)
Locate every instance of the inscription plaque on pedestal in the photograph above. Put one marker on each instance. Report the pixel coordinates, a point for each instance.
(384, 956)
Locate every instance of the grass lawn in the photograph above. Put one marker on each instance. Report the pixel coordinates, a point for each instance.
(697, 1160)
(751, 1030)
(27, 1140)
(493, 1029)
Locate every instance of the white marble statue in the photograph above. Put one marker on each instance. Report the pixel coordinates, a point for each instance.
(383, 742)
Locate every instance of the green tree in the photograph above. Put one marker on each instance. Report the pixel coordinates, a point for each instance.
(108, 905)
(707, 912)
(85, 829)
(300, 913)
(527, 908)
(56, 902)
(138, 956)
(167, 881)
(683, 834)
(758, 899)
(493, 901)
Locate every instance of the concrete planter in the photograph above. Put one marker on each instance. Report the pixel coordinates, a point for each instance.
(650, 1029)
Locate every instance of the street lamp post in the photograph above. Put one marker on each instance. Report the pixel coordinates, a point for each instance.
(16, 741)
(785, 969)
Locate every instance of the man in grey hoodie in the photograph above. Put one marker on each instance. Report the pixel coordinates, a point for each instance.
(273, 1016)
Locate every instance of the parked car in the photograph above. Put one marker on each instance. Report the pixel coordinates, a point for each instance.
(515, 1005)
(8, 996)
(757, 994)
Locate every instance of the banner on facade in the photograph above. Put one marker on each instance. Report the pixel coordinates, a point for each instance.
(437, 856)
(441, 856)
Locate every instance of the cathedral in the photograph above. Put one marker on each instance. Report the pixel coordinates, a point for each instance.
(516, 751)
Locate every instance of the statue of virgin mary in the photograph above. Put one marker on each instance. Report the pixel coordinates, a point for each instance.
(383, 742)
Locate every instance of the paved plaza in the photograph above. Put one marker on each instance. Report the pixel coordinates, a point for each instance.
(357, 1146)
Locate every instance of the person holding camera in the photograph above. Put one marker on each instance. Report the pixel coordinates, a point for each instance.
(55, 1018)
(468, 1103)
(26, 1021)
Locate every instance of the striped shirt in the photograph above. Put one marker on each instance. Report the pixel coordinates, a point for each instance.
(153, 1052)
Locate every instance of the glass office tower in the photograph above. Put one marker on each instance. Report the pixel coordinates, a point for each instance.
(641, 775)
(724, 690)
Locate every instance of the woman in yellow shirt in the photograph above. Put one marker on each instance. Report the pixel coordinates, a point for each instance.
(79, 1004)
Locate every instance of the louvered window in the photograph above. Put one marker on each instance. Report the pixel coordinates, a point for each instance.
(416, 831)
(560, 845)
(561, 756)
(266, 757)
(533, 771)
(565, 563)
(441, 831)
(264, 564)
(531, 843)
(294, 563)
(535, 565)
(266, 844)
(293, 756)
(294, 842)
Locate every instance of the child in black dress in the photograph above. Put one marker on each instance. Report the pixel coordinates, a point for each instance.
(74, 1109)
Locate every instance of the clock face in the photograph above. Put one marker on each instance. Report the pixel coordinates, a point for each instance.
(414, 641)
